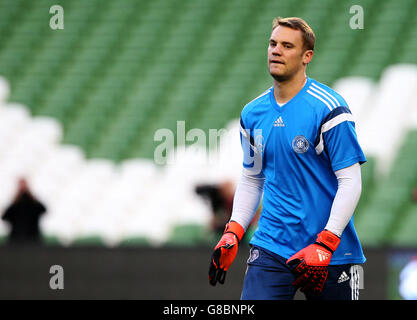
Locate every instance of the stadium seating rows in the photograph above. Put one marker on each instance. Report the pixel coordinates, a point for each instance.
(119, 71)
(137, 62)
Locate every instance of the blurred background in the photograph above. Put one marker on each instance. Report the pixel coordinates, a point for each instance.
(80, 106)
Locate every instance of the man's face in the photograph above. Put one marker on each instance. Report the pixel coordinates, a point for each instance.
(286, 54)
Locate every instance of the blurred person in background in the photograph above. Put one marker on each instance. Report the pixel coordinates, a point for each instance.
(23, 215)
(414, 195)
(220, 196)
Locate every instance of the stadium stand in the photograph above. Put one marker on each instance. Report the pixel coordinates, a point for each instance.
(80, 107)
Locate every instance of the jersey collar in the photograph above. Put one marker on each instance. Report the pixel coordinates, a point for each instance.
(299, 93)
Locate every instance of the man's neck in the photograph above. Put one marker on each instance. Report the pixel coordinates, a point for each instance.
(284, 91)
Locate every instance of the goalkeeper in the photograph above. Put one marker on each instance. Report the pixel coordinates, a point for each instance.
(301, 152)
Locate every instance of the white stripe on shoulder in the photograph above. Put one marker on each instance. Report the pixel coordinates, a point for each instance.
(320, 98)
(329, 125)
(337, 120)
(323, 96)
(327, 93)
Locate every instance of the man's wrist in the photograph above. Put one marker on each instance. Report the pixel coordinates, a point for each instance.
(236, 229)
(335, 232)
(328, 239)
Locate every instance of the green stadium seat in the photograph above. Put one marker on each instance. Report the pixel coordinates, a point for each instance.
(405, 234)
(135, 241)
(190, 235)
(88, 241)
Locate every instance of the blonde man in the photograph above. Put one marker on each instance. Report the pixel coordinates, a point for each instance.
(301, 152)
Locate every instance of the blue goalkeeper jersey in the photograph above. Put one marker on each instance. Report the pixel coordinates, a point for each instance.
(297, 148)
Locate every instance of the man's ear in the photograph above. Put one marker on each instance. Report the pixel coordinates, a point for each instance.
(308, 56)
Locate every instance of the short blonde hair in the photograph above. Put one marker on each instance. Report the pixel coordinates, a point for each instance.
(309, 38)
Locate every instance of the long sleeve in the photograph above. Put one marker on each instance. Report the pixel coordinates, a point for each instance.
(346, 199)
(247, 197)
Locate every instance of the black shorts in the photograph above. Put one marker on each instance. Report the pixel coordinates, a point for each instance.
(268, 277)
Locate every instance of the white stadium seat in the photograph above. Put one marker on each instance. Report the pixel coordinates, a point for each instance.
(388, 122)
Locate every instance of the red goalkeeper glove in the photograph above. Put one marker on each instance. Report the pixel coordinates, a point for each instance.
(225, 252)
(310, 264)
